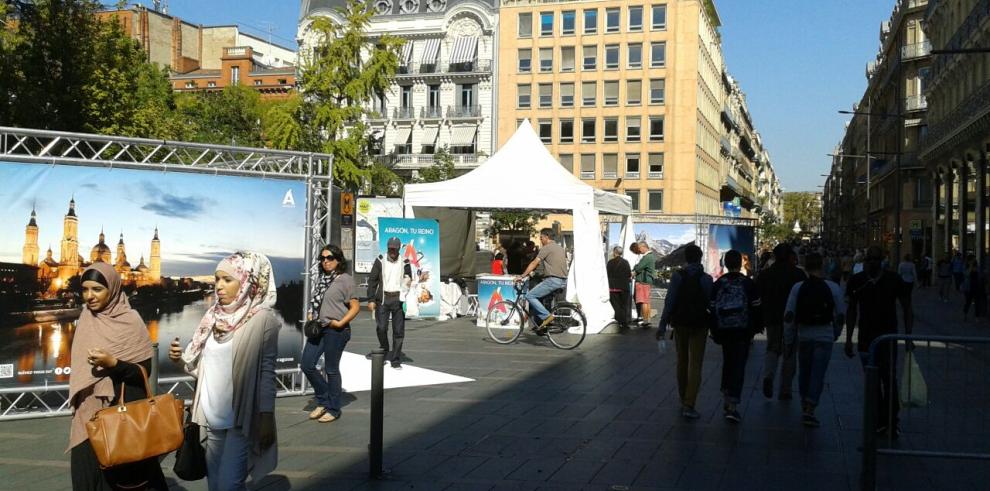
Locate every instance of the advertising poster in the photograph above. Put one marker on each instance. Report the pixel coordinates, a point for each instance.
(493, 289)
(366, 229)
(722, 238)
(163, 232)
(666, 240)
(420, 249)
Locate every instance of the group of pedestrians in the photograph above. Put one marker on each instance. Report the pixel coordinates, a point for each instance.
(641, 276)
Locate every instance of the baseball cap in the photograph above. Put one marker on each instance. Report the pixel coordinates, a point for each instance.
(394, 243)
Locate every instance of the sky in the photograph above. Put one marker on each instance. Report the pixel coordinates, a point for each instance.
(200, 218)
(798, 61)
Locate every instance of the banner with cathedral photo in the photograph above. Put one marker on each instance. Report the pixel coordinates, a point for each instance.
(163, 232)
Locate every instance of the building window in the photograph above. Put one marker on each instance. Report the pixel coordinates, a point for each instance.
(235, 75)
(567, 59)
(655, 200)
(588, 130)
(612, 93)
(546, 95)
(611, 130)
(524, 94)
(658, 88)
(611, 56)
(612, 17)
(283, 81)
(257, 82)
(190, 85)
(546, 131)
(635, 18)
(567, 95)
(567, 161)
(656, 128)
(566, 131)
(632, 166)
(211, 84)
(526, 25)
(634, 196)
(587, 166)
(610, 163)
(658, 54)
(589, 92)
(467, 95)
(659, 17)
(525, 60)
(634, 92)
(590, 21)
(546, 23)
(633, 129)
(635, 55)
(434, 98)
(546, 59)
(406, 96)
(656, 166)
(590, 61)
(567, 22)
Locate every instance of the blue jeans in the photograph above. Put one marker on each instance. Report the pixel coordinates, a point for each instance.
(813, 359)
(226, 459)
(330, 346)
(545, 288)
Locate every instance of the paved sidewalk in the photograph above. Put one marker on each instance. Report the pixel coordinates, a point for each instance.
(605, 416)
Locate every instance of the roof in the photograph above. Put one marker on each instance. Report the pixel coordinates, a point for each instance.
(308, 7)
(197, 74)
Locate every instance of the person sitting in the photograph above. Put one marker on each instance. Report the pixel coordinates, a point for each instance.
(554, 262)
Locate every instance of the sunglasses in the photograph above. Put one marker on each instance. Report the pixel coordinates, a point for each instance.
(328, 258)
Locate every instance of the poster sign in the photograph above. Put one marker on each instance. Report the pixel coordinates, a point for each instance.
(493, 289)
(667, 242)
(722, 238)
(163, 232)
(420, 249)
(366, 232)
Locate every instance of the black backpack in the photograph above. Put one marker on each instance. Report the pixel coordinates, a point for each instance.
(691, 309)
(815, 305)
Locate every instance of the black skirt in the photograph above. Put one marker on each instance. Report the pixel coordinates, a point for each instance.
(87, 475)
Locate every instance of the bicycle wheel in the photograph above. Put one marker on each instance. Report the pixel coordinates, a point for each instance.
(568, 327)
(504, 322)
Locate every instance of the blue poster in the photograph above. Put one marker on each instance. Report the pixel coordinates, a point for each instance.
(493, 289)
(420, 249)
(721, 238)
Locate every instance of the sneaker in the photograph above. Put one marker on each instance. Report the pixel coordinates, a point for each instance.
(396, 366)
(546, 322)
(316, 413)
(327, 418)
(768, 388)
(810, 420)
(733, 416)
(690, 413)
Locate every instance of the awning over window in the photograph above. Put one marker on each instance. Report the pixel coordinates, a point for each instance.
(402, 135)
(465, 50)
(406, 55)
(430, 135)
(431, 51)
(463, 135)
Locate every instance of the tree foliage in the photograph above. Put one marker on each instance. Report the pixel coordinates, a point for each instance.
(517, 221)
(804, 208)
(232, 116)
(442, 168)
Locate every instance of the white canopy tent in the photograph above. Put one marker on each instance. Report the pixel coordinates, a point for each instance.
(524, 175)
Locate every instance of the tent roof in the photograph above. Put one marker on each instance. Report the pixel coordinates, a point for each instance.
(521, 175)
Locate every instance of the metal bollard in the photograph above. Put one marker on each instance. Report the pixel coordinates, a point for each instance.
(868, 473)
(377, 413)
(153, 377)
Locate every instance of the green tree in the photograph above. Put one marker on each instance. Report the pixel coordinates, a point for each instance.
(442, 168)
(10, 76)
(232, 116)
(803, 208)
(518, 221)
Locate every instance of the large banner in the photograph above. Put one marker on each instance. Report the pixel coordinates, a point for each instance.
(369, 210)
(493, 289)
(163, 232)
(722, 238)
(666, 240)
(420, 249)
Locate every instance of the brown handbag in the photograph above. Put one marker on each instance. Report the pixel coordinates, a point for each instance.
(136, 430)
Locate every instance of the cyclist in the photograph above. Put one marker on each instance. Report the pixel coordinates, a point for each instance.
(554, 261)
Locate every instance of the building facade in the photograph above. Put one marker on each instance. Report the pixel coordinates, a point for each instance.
(444, 92)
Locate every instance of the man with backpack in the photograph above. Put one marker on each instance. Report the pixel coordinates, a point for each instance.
(686, 309)
(736, 307)
(813, 319)
(775, 285)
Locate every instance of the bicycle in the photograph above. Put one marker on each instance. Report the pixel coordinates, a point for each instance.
(507, 319)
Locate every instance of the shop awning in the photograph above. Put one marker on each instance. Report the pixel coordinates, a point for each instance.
(464, 50)
(430, 51)
(463, 135)
(402, 135)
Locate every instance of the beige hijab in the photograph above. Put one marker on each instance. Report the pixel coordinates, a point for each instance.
(116, 329)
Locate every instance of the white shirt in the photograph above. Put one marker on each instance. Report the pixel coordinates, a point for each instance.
(907, 271)
(392, 275)
(216, 370)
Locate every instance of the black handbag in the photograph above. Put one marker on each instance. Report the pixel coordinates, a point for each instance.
(190, 458)
(313, 329)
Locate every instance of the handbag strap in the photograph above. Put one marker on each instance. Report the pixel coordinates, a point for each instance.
(147, 385)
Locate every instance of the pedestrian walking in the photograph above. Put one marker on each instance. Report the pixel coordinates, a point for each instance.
(737, 314)
(232, 356)
(872, 297)
(388, 284)
(644, 272)
(686, 308)
(109, 344)
(813, 319)
(908, 272)
(958, 270)
(334, 305)
(944, 271)
(926, 271)
(618, 271)
(775, 286)
(974, 289)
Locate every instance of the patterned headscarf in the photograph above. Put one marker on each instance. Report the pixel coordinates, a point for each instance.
(257, 292)
(326, 279)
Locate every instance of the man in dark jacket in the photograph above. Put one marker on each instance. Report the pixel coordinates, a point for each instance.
(736, 307)
(619, 276)
(775, 285)
(387, 285)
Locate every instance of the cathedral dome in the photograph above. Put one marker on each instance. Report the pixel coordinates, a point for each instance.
(141, 267)
(99, 250)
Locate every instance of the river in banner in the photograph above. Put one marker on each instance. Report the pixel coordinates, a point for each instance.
(38, 354)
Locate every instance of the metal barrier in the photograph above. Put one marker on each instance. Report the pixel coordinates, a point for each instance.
(949, 420)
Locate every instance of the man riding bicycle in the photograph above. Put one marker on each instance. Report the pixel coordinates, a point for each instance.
(554, 261)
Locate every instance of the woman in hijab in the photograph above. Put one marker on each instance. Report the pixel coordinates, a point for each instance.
(334, 305)
(109, 342)
(232, 355)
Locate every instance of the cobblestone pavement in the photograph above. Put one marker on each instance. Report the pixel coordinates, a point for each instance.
(605, 416)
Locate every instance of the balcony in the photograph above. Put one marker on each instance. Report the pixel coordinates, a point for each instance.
(473, 66)
(916, 50)
(431, 112)
(915, 103)
(404, 113)
(380, 114)
(464, 112)
(440, 68)
(422, 160)
(237, 52)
